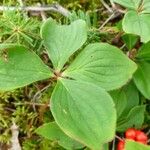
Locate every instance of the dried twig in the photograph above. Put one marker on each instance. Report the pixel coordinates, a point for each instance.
(54, 7)
(106, 6)
(111, 16)
(15, 145)
(38, 95)
(113, 144)
(114, 11)
(43, 14)
(29, 103)
(112, 3)
(119, 138)
(116, 8)
(148, 132)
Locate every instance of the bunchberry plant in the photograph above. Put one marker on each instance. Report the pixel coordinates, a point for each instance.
(82, 108)
(137, 21)
(137, 18)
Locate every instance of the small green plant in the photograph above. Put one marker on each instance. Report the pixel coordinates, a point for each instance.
(19, 29)
(137, 18)
(98, 90)
(81, 107)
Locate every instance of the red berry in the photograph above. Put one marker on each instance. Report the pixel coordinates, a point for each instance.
(121, 145)
(141, 137)
(130, 134)
(143, 142)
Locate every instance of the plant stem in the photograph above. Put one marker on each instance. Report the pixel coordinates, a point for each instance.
(119, 138)
(113, 144)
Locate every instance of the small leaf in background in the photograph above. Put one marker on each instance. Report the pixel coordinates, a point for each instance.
(135, 118)
(131, 4)
(130, 40)
(144, 52)
(142, 6)
(138, 24)
(131, 145)
(106, 146)
(103, 65)
(132, 98)
(51, 131)
(120, 101)
(90, 18)
(142, 79)
(63, 40)
(20, 67)
(84, 112)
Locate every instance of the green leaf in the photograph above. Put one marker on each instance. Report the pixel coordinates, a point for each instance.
(132, 97)
(106, 146)
(142, 6)
(51, 131)
(144, 52)
(135, 118)
(103, 65)
(63, 40)
(131, 4)
(130, 40)
(138, 24)
(20, 67)
(84, 112)
(141, 78)
(132, 145)
(120, 101)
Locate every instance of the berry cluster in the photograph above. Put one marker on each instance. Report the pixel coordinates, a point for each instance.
(133, 134)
